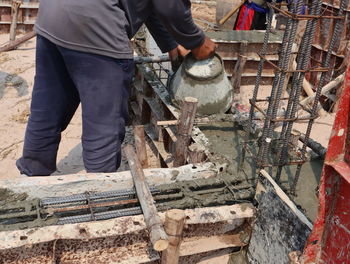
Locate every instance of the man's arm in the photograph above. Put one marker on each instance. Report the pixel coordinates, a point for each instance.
(176, 16)
(162, 37)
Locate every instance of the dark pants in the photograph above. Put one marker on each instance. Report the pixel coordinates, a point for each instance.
(63, 79)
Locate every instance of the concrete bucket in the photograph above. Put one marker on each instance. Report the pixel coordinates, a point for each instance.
(205, 80)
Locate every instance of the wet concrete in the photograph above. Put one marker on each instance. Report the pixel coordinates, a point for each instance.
(7, 196)
(226, 140)
(19, 212)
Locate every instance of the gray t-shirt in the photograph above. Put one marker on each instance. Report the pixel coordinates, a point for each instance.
(105, 26)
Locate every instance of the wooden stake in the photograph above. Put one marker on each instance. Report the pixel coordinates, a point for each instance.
(174, 224)
(140, 144)
(14, 10)
(186, 120)
(13, 44)
(196, 153)
(237, 76)
(157, 234)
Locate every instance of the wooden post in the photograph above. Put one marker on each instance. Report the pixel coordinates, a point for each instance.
(140, 144)
(157, 234)
(13, 44)
(237, 76)
(196, 153)
(174, 224)
(14, 11)
(186, 120)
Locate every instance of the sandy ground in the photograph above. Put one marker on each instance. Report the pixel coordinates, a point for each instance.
(204, 15)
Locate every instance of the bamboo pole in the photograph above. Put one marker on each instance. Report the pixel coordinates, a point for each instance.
(14, 11)
(174, 224)
(13, 44)
(140, 144)
(186, 120)
(157, 234)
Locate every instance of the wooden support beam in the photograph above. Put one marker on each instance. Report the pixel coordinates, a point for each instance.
(140, 144)
(154, 224)
(14, 11)
(174, 224)
(13, 44)
(186, 120)
(168, 123)
(328, 87)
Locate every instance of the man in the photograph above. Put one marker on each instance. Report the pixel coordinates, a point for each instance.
(84, 56)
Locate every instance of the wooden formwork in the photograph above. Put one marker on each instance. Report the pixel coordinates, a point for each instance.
(208, 231)
(232, 44)
(322, 39)
(26, 16)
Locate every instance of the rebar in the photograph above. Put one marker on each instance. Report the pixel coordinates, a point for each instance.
(278, 84)
(324, 75)
(297, 82)
(260, 67)
(257, 82)
(76, 198)
(100, 216)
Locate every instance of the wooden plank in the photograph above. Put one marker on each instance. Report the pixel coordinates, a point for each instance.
(165, 156)
(192, 246)
(280, 228)
(23, 6)
(122, 226)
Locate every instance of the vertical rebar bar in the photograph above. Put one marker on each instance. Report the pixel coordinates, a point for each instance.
(333, 42)
(257, 83)
(260, 69)
(278, 84)
(297, 81)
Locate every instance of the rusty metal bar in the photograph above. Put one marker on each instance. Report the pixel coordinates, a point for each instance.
(302, 17)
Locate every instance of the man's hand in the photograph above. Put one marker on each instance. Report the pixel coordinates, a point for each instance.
(176, 56)
(205, 51)
(178, 53)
